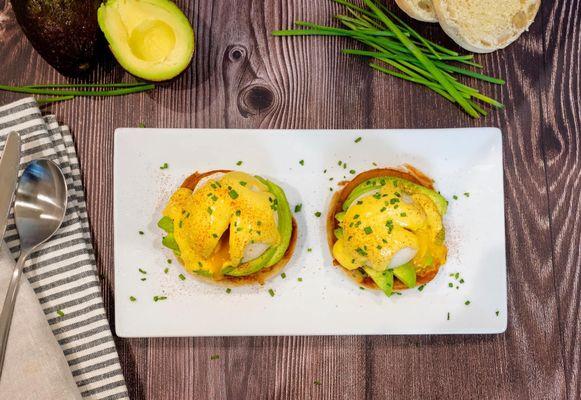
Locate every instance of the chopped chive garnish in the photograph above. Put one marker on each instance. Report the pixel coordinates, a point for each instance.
(60, 313)
(352, 172)
(141, 233)
(210, 211)
(497, 312)
(403, 214)
(214, 357)
(283, 275)
(242, 183)
(182, 277)
(317, 382)
(271, 292)
(141, 125)
(143, 279)
(166, 270)
(239, 163)
(448, 318)
(299, 279)
(467, 302)
(302, 162)
(358, 139)
(309, 249)
(132, 298)
(368, 230)
(298, 208)
(421, 288)
(455, 197)
(142, 271)
(233, 194)
(466, 194)
(159, 298)
(450, 285)
(317, 214)
(164, 166)
(228, 290)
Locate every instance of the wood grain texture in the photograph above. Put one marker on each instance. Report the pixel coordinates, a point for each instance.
(243, 77)
(562, 156)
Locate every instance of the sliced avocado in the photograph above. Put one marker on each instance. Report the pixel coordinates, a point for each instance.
(275, 253)
(65, 33)
(407, 274)
(377, 183)
(203, 272)
(166, 223)
(340, 216)
(151, 39)
(170, 242)
(384, 280)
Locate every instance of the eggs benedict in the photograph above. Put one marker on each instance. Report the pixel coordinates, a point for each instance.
(229, 226)
(385, 229)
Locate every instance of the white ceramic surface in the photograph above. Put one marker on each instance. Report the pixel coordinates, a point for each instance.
(326, 302)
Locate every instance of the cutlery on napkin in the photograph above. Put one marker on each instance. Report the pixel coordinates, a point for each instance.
(62, 273)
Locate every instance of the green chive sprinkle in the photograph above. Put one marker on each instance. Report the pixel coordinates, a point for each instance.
(283, 275)
(166, 270)
(159, 298)
(302, 162)
(358, 139)
(298, 208)
(141, 233)
(467, 302)
(132, 298)
(164, 166)
(239, 163)
(271, 292)
(60, 313)
(368, 230)
(182, 277)
(142, 271)
(300, 279)
(228, 290)
(317, 214)
(214, 357)
(455, 197)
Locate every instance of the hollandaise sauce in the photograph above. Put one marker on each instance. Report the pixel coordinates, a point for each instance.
(232, 224)
(390, 225)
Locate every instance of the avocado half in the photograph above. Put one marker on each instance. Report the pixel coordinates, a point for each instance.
(261, 268)
(404, 276)
(151, 39)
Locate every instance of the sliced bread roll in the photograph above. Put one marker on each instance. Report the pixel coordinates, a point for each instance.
(483, 26)
(422, 10)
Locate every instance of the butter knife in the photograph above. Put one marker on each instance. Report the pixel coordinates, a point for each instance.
(9, 165)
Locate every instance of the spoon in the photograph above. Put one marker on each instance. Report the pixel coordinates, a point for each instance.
(39, 209)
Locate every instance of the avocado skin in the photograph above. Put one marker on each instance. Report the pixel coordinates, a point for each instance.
(64, 32)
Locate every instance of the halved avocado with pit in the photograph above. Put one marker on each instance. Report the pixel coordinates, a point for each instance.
(151, 39)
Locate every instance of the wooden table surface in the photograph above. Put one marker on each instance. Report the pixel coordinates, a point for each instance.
(241, 76)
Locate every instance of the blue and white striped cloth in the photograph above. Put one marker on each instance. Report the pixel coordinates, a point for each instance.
(63, 272)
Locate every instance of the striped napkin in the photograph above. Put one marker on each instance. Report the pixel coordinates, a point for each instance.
(63, 272)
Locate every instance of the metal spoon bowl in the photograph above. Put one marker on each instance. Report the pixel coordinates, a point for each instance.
(39, 209)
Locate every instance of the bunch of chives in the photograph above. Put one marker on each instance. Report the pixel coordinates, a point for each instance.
(62, 92)
(402, 52)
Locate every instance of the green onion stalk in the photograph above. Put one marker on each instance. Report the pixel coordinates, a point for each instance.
(63, 91)
(400, 51)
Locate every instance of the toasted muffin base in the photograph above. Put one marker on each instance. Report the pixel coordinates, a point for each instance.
(406, 172)
(260, 277)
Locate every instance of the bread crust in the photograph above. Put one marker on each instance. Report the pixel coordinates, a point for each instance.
(455, 31)
(409, 173)
(260, 277)
(415, 11)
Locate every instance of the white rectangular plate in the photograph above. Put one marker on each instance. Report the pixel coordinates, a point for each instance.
(326, 301)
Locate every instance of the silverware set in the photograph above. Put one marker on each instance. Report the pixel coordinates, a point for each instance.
(40, 202)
